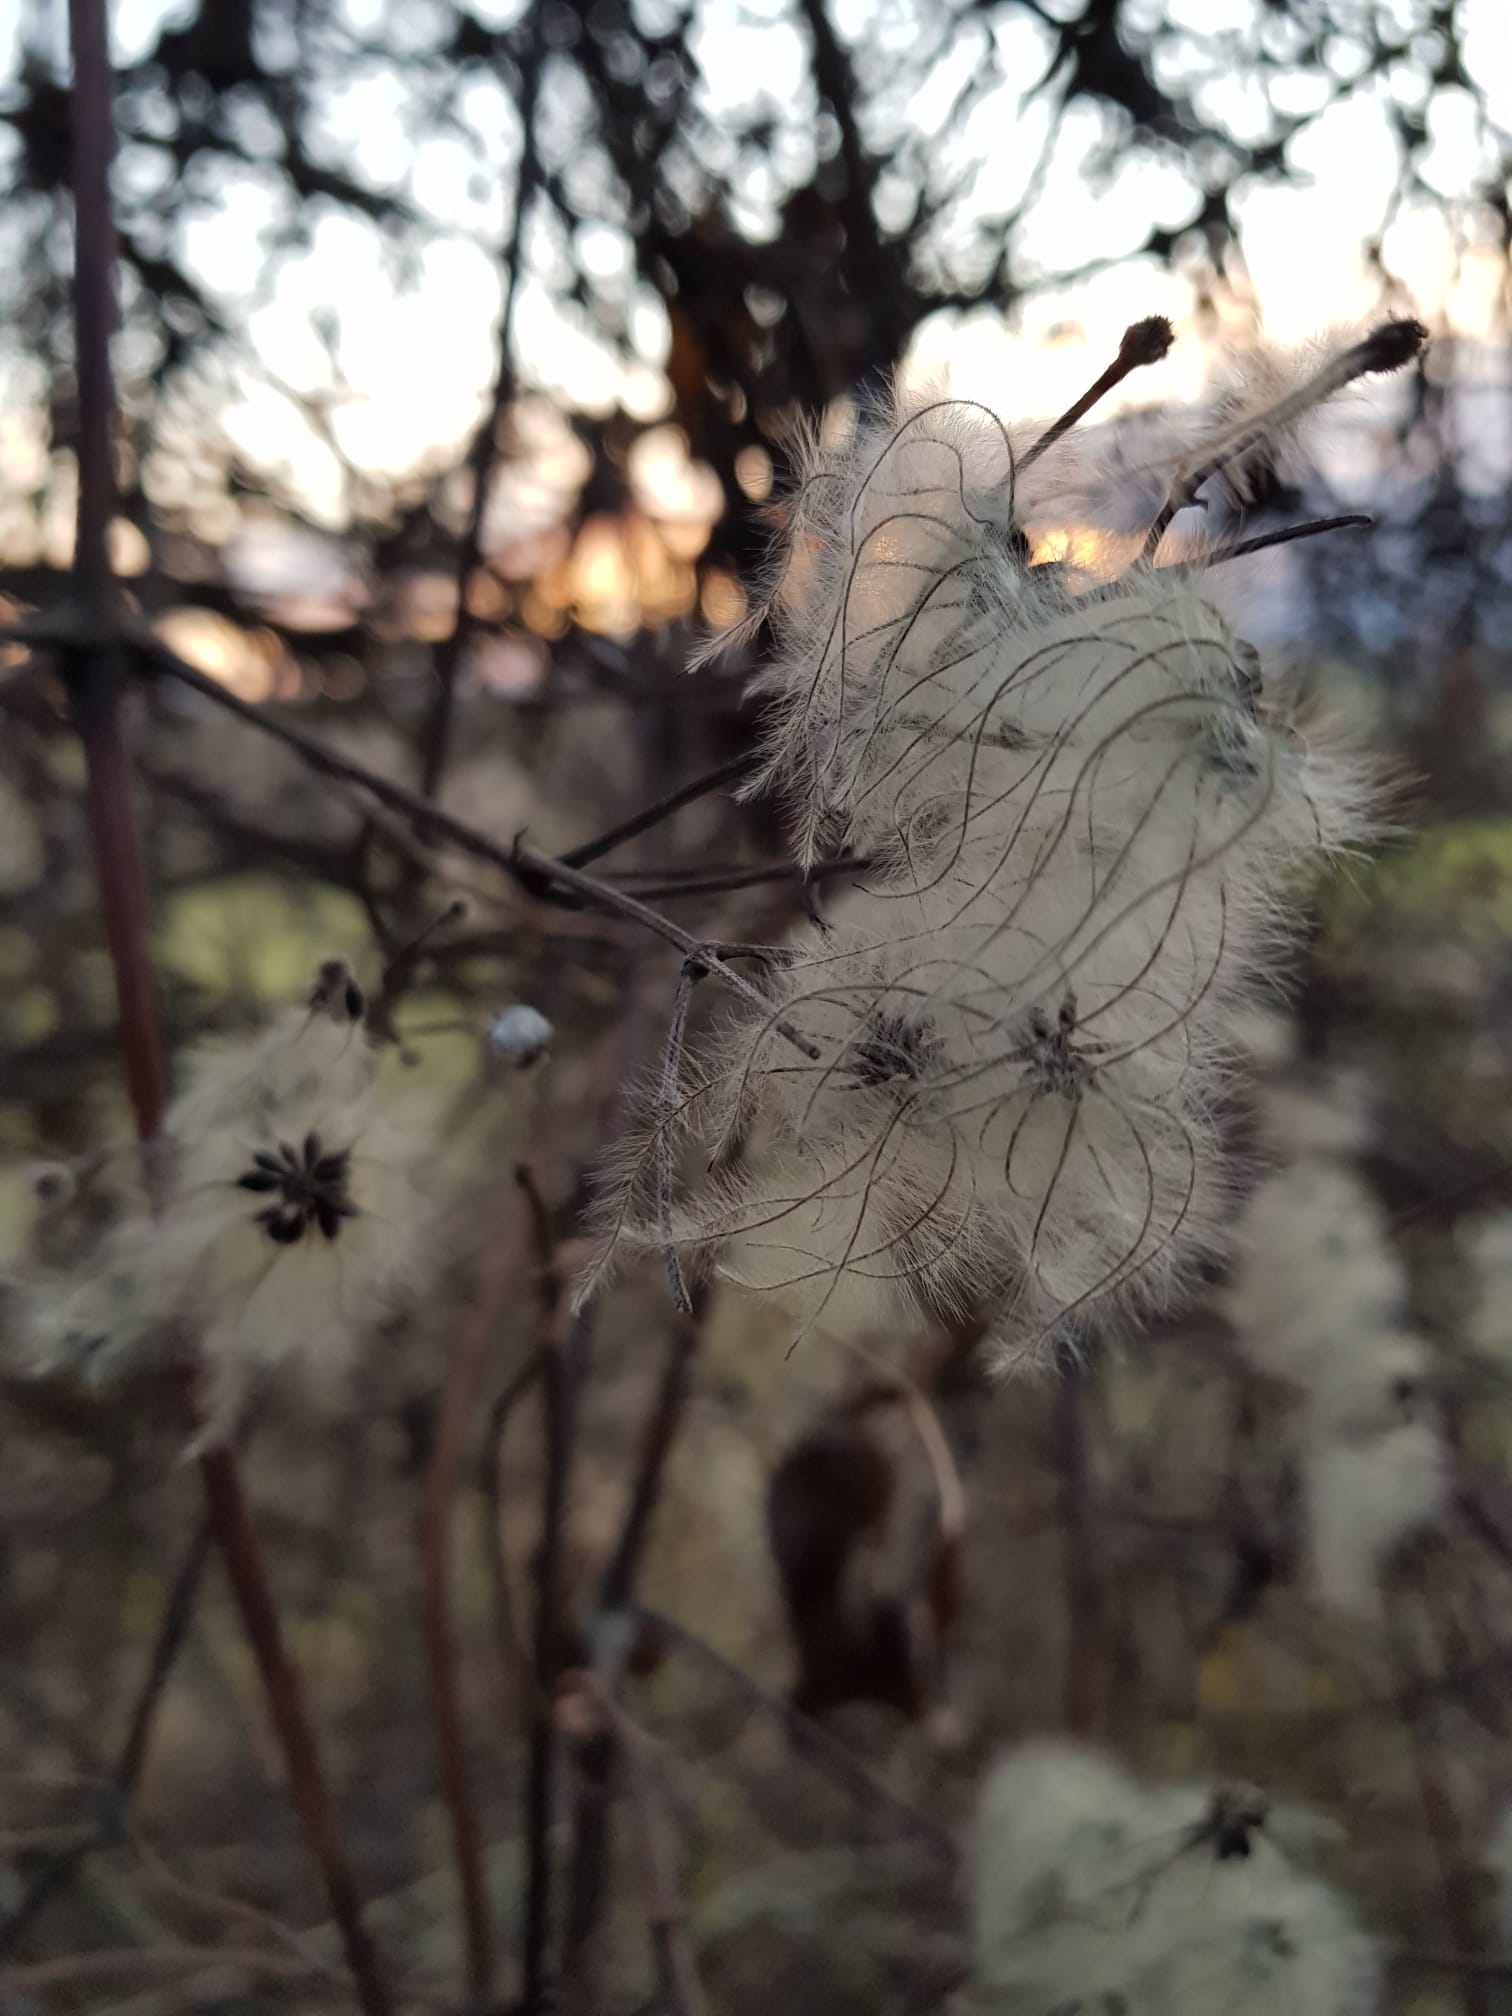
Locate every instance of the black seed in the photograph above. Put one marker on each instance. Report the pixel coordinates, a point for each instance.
(287, 1231)
(258, 1180)
(328, 1216)
(331, 1168)
(269, 1162)
(311, 1150)
(355, 1004)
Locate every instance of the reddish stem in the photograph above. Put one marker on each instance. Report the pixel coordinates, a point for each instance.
(459, 1402)
(242, 1555)
(96, 678)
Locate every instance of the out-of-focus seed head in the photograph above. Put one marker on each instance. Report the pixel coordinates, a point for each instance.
(520, 1036)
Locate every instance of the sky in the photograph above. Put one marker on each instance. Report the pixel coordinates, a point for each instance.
(1303, 245)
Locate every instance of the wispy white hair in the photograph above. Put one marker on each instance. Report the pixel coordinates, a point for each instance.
(1088, 1890)
(1316, 1270)
(226, 1264)
(990, 1078)
(1364, 1499)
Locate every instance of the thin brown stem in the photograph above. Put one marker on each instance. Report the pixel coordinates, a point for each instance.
(458, 1403)
(1143, 343)
(843, 1765)
(1285, 535)
(664, 887)
(242, 1555)
(523, 864)
(96, 672)
(1085, 1702)
(653, 815)
(172, 1632)
(518, 1672)
(567, 1345)
(129, 1960)
(591, 1832)
(156, 1875)
(676, 1969)
(1384, 350)
(485, 444)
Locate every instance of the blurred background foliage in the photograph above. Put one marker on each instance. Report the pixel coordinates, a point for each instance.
(479, 565)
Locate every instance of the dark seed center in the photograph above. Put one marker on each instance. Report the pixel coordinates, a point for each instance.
(307, 1188)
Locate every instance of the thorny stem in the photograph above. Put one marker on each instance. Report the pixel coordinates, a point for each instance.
(96, 677)
(485, 441)
(1143, 343)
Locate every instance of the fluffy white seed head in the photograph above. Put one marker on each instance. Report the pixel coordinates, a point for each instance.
(988, 1080)
(977, 1124)
(1316, 1270)
(921, 665)
(1487, 1249)
(292, 1218)
(1089, 1891)
(1305, 1114)
(1369, 1382)
(1365, 1498)
(314, 1052)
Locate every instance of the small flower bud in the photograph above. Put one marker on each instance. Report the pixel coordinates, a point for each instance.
(520, 1036)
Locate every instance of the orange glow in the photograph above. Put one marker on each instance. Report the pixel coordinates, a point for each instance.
(11, 654)
(1097, 554)
(426, 606)
(248, 665)
(620, 576)
(753, 472)
(723, 600)
(129, 551)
